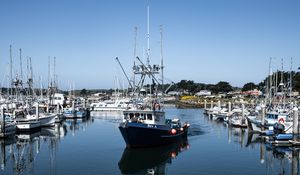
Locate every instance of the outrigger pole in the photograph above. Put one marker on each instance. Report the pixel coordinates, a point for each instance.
(124, 72)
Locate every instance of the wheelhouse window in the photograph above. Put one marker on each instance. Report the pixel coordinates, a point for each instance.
(156, 118)
(149, 117)
(130, 115)
(126, 116)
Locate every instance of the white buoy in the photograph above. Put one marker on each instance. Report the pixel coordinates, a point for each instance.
(205, 104)
(211, 104)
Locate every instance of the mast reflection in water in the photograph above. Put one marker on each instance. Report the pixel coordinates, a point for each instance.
(95, 146)
(21, 152)
(150, 160)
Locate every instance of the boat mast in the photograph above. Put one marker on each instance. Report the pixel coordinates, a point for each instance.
(270, 82)
(21, 67)
(148, 35)
(10, 74)
(162, 60)
(54, 78)
(291, 80)
(49, 83)
(134, 56)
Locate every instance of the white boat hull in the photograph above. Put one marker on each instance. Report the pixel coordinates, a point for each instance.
(47, 120)
(10, 129)
(28, 125)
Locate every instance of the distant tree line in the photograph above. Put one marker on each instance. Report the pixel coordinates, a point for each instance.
(191, 87)
(276, 78)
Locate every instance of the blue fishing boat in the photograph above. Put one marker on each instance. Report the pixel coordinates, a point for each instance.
(146, 128)
(144, 123)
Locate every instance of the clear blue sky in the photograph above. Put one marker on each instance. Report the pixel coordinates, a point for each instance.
(203, 40)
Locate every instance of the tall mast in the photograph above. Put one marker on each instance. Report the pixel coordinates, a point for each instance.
(54, 80)
(161, 56)
(49, 71)
(21, 67)
(148, 35)
(134, 55)
(10, 74)
(31, 76)
(291, 80)
(281, 81)
(270, 82)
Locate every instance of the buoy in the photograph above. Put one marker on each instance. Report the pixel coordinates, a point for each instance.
(173, 154)
(173, 131)
(281, 120)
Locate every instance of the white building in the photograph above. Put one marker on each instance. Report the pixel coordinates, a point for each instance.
(203, 93)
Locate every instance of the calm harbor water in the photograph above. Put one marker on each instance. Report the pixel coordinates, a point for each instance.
(95, 146)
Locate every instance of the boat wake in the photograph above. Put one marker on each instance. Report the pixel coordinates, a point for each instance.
(195, 130)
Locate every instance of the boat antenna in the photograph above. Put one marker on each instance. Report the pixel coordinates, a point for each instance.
(124, 72)
(148, 34)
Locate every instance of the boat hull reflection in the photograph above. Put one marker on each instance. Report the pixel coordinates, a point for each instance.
(150, 160)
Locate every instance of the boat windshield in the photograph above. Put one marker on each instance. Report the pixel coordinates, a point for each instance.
(31, 112)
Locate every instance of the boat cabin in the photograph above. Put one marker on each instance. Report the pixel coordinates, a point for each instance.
(274, 117)
(146, 117)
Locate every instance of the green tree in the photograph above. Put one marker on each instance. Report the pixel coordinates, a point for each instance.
(83, 92)
(249, 86)
(223, 86)
(296, 82)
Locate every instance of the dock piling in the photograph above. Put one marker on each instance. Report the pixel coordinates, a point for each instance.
(2, 121)
(295, 161)
(295, 123)
(263, 113)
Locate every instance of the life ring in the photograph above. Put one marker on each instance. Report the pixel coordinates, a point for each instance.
(281, 120)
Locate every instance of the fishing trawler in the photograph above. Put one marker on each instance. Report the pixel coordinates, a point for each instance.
(144, 123)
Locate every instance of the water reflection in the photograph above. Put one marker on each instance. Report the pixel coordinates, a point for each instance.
(74, 125)
(20, 152)
(150, 160)
(277, 160)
